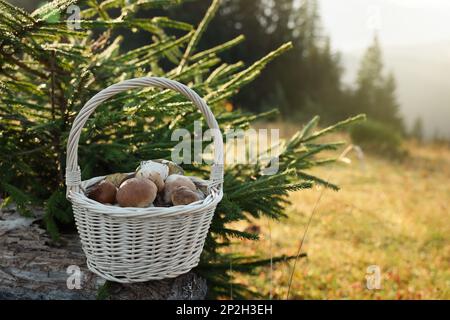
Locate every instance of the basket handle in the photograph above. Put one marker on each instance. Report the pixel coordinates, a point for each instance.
(73, 172)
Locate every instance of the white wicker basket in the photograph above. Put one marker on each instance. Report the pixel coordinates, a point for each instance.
(140, 244)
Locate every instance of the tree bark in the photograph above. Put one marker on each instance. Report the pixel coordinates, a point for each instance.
(31, 267)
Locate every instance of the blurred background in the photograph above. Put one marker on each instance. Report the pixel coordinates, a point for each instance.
(389, 59)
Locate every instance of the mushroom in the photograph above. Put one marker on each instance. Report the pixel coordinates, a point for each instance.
(136, 192)
(103, 192)
(150, 166)
(118, 178)
(153, 176)
(157, 179)
(172, 182)
(183, 195)
(173, 167)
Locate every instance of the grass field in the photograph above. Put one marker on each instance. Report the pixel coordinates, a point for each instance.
(394, 215)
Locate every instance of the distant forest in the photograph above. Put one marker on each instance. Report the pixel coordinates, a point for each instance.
(305, 81)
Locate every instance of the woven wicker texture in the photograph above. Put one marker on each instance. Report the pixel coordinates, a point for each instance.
(140, 244)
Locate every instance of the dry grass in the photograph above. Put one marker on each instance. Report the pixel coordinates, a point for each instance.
(393, 215)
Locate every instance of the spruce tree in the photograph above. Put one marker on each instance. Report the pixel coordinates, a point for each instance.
(376, 91)
(49, 70)
(417, 129)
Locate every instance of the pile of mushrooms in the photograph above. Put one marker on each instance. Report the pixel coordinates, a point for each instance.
(159, 183)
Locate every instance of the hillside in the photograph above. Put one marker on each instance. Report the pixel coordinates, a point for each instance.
(388, 214)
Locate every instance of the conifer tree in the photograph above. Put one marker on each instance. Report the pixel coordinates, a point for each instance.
(376, 91)
(417, 129)
(48, 71)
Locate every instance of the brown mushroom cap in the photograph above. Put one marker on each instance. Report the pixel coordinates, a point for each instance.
(118, 178)
(183, 196)
(153, 176)
(103, 192)
(157, 179)
(173, 181)
(136, 192)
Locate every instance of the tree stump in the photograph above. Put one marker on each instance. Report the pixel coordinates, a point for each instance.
(31, 267)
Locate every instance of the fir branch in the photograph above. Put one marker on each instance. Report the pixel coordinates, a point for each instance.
(19, 197)
(26, 68)
(318, 180)
(49, 9)
(250, 73)
(15, 13)
(335, 127)
(226, 232)
(198, 33)
(217, 49)
(223, 71)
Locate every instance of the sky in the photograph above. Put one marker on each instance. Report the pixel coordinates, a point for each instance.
(352, 23)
